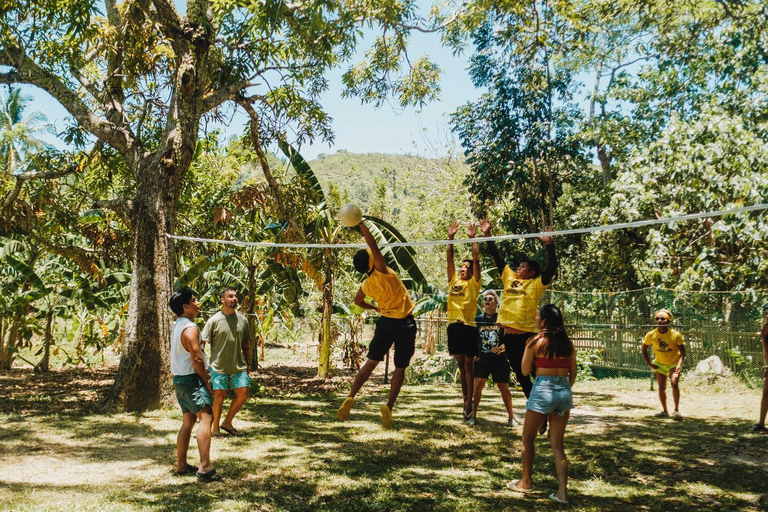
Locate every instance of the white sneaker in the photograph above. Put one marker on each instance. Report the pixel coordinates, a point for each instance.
(472, 421)
(677, 416)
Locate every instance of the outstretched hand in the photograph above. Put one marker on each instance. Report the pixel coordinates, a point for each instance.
(485, 227)
(452, 229)
(546, 239)
(471, 230)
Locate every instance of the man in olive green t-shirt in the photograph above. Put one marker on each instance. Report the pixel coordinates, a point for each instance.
(228, 334)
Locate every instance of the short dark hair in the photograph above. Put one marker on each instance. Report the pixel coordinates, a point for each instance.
(225, 290)
(471, 262)
(533, 265)
(179, 298)
(361, 260)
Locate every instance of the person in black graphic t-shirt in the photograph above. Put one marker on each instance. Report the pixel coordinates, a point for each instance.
(491, 360)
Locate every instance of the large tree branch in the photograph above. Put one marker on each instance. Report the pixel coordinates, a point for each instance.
(29, 72)
(122, 206)
(256, 140)
(168, 17)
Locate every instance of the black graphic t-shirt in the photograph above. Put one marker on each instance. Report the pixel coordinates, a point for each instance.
(490, 336)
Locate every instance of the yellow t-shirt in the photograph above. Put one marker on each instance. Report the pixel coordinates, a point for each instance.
(389, 293)
(520, 301)
(666, 347)
(462, 299)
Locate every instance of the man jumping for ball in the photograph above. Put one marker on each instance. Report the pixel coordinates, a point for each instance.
(396, 324)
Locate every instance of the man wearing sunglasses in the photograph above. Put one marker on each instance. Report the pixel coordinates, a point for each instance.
(669, 353)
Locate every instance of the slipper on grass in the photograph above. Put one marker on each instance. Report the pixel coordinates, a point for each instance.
(232, 431)
(191, 470)
(757, 428)
(513, 485)
(210, 476)
(554, 497)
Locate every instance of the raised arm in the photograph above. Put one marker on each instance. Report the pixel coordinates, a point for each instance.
(451, 266)
(551, 269)
(379, 263)
(485, 227)
(471, 232)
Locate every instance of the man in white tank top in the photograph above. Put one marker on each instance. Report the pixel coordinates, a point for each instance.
(193, 391)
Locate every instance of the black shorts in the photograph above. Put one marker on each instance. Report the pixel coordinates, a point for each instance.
(401, 332)
(463, 339)
(498, 367)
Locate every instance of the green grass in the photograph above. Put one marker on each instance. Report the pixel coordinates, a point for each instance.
(298, 456)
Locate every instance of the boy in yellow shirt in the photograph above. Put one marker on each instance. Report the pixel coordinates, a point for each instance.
(523, 289)
(396, 324)
(463, 336)
(669, 353)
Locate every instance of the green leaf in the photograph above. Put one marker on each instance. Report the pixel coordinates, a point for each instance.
(404, 257)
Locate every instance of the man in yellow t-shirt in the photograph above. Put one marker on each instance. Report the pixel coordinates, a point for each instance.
(463, 289)
(396, 324)
(522, 292)
(669, 353)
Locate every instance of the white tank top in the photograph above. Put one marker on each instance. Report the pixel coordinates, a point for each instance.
(181, 361)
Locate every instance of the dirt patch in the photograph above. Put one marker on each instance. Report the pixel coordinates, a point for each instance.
(60, 391)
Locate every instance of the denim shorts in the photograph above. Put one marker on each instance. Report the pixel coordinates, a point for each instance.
(229, 380)
(550, 394)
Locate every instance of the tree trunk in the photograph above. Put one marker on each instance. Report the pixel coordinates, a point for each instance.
(325, 348)
(43, 365)
(143, 378)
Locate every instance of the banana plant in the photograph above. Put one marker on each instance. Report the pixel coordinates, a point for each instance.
(321, 264)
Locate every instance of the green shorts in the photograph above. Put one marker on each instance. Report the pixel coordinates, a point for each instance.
(191, 393)
(664, 368)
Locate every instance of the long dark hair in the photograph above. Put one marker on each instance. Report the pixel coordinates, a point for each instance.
(556, 340)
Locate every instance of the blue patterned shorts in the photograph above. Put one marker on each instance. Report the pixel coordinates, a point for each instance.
(230, 380)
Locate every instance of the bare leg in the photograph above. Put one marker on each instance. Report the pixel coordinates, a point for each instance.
(675, 393)
(204, 439)
(533, 420)
(363, 375)
(182, 441)
(556, 434)
(506, 397)
(764, 401)
(398, 376)
(241, 395)
(477, 393)
(218, 401)
(661, 379)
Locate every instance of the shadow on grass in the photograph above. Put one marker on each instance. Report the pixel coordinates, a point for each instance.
(298, 456)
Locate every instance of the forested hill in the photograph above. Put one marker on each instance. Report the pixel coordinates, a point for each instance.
(419, 196)
(376, 181)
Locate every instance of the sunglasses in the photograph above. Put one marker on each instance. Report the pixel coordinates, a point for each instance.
(489, 299)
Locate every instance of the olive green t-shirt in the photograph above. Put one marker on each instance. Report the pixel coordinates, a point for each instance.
(226, 334)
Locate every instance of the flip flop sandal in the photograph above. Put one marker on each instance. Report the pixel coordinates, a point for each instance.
(210, 476)
(513, 485)
(191, 470)
(232, 431)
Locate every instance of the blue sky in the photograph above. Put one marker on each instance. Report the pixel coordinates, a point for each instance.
(361, 128)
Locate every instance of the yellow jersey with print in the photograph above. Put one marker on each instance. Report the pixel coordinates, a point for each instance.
(520, 301)
(666, 346)
(389, 293)
(462, 299)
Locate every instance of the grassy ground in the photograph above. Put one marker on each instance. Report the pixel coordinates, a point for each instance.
(58, 455)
